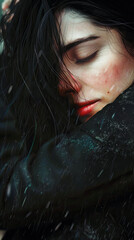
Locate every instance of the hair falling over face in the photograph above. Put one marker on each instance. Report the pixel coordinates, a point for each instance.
(34, 45)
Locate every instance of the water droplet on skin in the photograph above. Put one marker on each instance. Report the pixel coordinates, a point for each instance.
(97, 74)
(113, 86)
(105, 70)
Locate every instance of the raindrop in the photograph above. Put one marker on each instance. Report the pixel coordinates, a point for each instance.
(10, 89)
(100, 173)
(113, 115)
(28, 214)
(71, 226)
(66, 214)
(24, 201)
(58, 226)
(48, 204)
(8, 190)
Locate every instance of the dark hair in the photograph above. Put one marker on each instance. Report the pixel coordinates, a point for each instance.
(29, 81)
(114, 14)
(32, 57)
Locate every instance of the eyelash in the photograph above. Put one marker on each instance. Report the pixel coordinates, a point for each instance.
(84, 60)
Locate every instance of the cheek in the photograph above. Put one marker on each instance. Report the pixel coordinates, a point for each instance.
(108, 77)
(112, 75)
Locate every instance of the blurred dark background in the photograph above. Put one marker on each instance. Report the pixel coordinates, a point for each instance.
(0, 7)
(1, 44)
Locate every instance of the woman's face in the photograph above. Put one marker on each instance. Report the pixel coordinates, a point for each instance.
(100, 67)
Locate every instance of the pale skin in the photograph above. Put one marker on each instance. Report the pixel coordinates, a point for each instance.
(99, 67)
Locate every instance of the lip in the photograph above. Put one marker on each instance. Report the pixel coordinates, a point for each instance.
(86, 108)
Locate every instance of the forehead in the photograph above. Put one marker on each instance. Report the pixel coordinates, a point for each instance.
(74, 25)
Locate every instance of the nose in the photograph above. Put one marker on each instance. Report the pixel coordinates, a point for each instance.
(69, 86)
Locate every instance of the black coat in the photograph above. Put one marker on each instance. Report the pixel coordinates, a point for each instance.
(81, 188)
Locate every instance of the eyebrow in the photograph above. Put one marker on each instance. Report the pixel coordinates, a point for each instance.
(67, 47)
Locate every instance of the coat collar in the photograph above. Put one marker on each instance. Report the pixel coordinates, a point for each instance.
(121, 110)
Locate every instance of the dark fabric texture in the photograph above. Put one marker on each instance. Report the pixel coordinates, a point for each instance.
(81, 188)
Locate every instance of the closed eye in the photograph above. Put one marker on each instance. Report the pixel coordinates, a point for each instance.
(84, 60)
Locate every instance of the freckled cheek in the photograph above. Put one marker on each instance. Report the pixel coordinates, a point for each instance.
(112, 76)
(100, 80)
